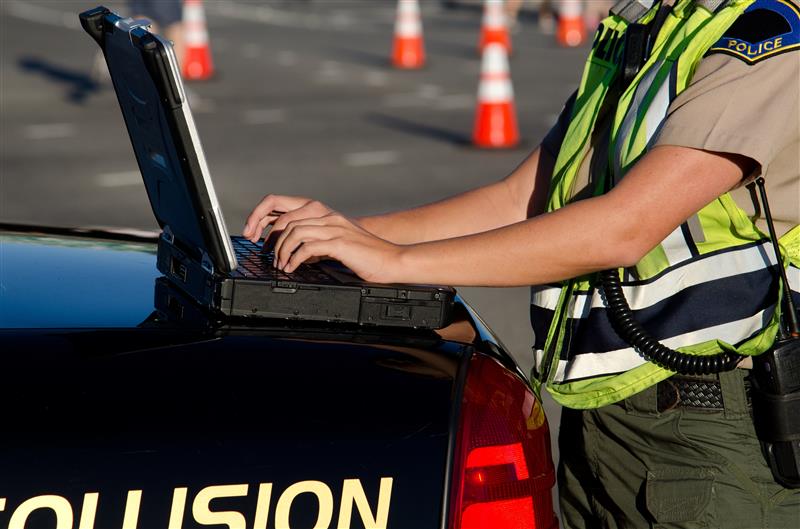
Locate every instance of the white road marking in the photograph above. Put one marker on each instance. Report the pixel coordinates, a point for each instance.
(365, 159)
(403, 100)
(429, 91)
(287, 58)
(376, 78)
(430, 96)
(269, 15)
(41, 14)
(264, 116)
(121, 179)
(456, 101)
(330, 71)
(49, 131)
(251, 51)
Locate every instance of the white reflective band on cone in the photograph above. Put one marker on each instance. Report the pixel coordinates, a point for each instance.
(495, 86)
(495, 91)
(495, 61)
(408, 22)
(198, 37)
(193, 12)
(570, 8)
(493, 15)
(408, 28)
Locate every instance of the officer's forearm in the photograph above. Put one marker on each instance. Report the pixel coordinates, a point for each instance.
(614, 230)
(485, 208)
(551, 247)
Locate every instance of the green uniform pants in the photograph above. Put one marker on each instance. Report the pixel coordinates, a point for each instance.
(627, 465)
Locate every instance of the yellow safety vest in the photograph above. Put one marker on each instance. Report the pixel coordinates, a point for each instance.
(708, 287)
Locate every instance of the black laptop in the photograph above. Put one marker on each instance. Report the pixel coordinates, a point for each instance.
(230, 275)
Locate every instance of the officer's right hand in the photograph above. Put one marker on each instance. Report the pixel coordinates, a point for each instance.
(278, 211)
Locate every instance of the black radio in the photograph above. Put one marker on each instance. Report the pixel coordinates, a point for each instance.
(776, 409)
(776, 384)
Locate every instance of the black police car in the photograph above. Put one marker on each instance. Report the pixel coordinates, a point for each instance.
(124, 406)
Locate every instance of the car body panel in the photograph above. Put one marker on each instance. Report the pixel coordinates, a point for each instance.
(117, 415)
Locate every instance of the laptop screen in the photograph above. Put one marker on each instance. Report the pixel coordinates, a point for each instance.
(165, 141)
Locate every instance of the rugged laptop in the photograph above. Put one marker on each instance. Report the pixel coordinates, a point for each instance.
(226, 274)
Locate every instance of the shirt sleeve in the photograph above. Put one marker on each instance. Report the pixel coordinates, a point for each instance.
(734, 107)
(555, 136)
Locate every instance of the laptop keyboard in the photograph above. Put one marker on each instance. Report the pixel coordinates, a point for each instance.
(257, 264)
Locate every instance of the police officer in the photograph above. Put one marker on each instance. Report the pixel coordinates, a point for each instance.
(638, 174)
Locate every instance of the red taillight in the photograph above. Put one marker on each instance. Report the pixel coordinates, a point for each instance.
(503, 470)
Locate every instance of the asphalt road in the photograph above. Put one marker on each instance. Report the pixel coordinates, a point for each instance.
(304, 102)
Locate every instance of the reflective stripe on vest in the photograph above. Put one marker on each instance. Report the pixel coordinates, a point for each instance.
(709, 286)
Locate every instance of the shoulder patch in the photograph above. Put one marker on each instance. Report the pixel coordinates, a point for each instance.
(765, 29)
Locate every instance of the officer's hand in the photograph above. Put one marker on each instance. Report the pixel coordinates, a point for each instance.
(278, 211)
(337, 237)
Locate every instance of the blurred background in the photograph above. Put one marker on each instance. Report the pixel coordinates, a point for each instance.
(293, 97)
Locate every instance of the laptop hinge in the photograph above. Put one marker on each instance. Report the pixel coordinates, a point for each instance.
(206, 262)
(129, 24)
(167, 235)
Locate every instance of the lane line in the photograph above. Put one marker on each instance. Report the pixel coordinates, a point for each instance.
(49, 131)
(120, 179)
(287, 58)
(367, 159)
(263, 14)
(376, 78)
(456, 101)
(331, 71)
(251, 51)
(264, 116)
(40, 14)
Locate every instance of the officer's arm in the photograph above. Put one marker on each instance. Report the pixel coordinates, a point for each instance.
(617, 229)
(499, 204)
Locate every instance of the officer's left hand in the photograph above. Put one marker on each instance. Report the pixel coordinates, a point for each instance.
(337, 237)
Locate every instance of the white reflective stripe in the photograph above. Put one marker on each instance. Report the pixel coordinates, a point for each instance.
(196, 38)
(598, 364)
(658, 109)
(675, 247)
(495, 91)
(570, 8)
(193, 12)
(699, 271)
(407, 23)
(538, 358)
(493, 15)
(494, 61)
(631, 115)
(545, 297)
(793, 275)
(408, 28)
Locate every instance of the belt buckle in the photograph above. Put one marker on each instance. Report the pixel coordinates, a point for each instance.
(667, 396)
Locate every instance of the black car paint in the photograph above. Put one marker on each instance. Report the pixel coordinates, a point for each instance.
(103, 394)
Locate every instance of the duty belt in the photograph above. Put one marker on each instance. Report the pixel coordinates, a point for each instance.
(690, 392)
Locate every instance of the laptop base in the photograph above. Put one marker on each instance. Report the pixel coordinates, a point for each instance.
(384, 305)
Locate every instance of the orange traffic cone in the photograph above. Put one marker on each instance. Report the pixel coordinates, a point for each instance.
(408, 51)
(197, 56)
(571, 30)
(494, 27)
(496, 118)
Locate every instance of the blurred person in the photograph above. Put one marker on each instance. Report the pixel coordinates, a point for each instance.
(545, 16)
(645, 185)
(163, 14)
(167, 19)
(594, 12)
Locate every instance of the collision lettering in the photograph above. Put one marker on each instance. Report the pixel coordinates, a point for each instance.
(353, 498)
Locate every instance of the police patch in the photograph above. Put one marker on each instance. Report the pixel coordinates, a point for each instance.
(765, 29)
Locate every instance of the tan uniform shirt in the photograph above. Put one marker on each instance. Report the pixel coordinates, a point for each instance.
(732, 107)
